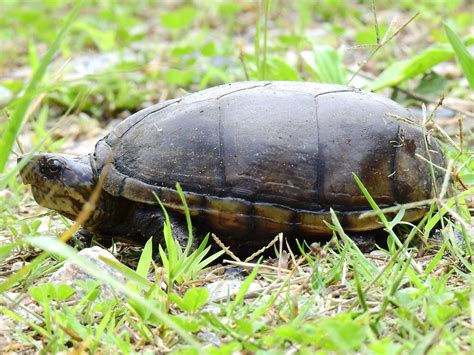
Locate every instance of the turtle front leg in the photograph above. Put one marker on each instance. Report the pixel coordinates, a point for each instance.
(179, 230)
(81, 239)
(84, 238)
(147, 223)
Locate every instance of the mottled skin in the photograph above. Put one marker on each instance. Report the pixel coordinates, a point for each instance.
(65, 183)
(253, 158)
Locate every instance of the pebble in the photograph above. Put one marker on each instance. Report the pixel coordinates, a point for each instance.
(69, 273)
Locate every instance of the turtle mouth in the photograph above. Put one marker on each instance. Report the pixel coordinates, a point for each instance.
(28, 172)
(40, 195)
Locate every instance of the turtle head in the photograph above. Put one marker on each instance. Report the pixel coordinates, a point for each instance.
(60, 182)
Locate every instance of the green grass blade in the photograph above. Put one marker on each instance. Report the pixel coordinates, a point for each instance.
(145, 259)
(5, 178)
(244, 288)
(370, 200)
(189, 244)
(14, 125)
(437, 258)
(366, 268)
(6, 250)
(100, 329)
(360, 292)
(202, 264)
(268, 3)
(171, 245)
(466, 60)
(164, 258)
(127, 272)
(20, 275)
(257, 39)
(397, 219)
(400, 71)
(57, 247)
(326, 64)
(41, 331)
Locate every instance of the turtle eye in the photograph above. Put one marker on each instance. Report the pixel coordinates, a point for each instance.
(54, 167)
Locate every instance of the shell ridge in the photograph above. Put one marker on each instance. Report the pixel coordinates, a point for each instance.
(318, 87)
(207, 99)
(176, 101)
(222, 169)
(243, 89)
(320, 197)
(333, 92)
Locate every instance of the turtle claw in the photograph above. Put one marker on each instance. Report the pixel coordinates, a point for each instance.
(81, 239)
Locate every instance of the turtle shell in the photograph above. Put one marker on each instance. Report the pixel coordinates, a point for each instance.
(269, 157)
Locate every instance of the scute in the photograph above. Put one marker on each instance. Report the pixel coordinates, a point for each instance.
(281, 153)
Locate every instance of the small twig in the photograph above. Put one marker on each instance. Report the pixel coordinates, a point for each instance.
(421, 157)
(407, 206)
(446, 179)
(19, 145)
(438, 105)
(423, 116)
(456, 216)
(253, 265)
(203, 281)
(280, 254)
(260, 251)
(223, 247)
(445, 135)
(426, 141)
(376, 24)
(458, 179)
(430, 101)
(420, 97)
(89, 207)
(242, 60)
(293, 258)
(360, 46)
(344, 274)
(380, 45)
(75, 336)
(465, 163)
(403, 119)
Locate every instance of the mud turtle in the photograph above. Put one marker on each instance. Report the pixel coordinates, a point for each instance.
(253, 158)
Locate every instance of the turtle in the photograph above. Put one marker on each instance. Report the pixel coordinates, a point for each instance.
(253, 159)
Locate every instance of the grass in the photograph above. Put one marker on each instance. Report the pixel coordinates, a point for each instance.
(415, 296)
(12, 129)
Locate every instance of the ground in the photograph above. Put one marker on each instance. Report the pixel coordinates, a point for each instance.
(414, 296)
